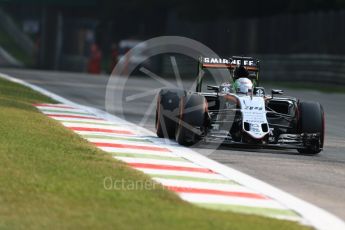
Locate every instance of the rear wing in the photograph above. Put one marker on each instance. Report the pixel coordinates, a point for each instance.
(251, 64)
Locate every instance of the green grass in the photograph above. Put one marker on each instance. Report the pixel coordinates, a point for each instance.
(11, 47)
(50, 178)
(309, 86)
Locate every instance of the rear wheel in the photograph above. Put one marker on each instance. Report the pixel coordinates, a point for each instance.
(167, 112)
(192, 117)
(311, 120)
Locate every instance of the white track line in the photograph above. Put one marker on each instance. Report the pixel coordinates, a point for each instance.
(159, 154)
(203, 185)
(75, 123)
(128, 150)
(82, 133)
(49, 113)
(158, 162)
(127, 142)
(71, 119)
(211, 176)
(90, 125)
(53, 110)
(214, 199)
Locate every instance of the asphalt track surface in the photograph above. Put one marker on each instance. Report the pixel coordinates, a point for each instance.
(317, 179)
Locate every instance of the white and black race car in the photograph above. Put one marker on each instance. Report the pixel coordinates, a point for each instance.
(240, 113)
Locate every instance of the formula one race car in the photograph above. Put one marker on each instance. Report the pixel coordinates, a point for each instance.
(240, 113)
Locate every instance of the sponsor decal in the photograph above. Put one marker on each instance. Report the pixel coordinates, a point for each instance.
(209, 60)
(253, 108)
(216, 60)
(225, 89)
(245, 62)
(260, 93)
(255, 128)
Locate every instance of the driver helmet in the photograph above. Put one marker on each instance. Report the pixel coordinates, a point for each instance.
(243, 85)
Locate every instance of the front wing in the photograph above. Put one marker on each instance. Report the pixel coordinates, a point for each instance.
(287, 141)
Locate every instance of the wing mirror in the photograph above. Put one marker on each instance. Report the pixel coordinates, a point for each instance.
(277, 92)
(213, 87)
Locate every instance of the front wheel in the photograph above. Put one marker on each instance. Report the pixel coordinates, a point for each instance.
(312, 120)
(167, 112)
(192, 118)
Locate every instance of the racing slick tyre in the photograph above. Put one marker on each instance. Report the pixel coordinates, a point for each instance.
(192, 117)
(167, 112)
(311, 120)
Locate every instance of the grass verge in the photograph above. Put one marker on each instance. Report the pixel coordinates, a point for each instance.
(51, 178)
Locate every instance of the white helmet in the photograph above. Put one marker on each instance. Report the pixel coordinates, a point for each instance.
(243, 85)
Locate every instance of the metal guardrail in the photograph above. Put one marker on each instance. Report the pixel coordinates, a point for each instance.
(325, 69)
(312, 32)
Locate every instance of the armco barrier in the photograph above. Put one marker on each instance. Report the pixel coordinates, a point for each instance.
(325, 69)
